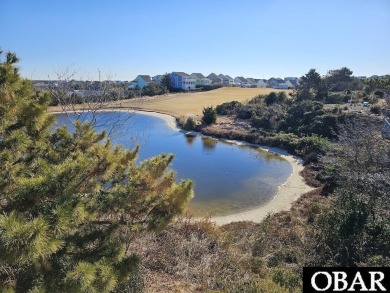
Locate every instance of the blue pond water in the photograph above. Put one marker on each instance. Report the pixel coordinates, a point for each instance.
(229, 178)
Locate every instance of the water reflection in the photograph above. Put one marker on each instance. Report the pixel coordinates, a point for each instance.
(190, 139)
(269, 156)
(209, 144)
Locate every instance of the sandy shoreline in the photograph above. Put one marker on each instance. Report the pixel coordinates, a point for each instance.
(286, 195)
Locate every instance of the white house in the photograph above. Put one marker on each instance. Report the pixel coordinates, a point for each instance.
(226, 79)
(277, 83)
(182, 80)
(200, 79)
(291, 83)
(251, 81)
(214, 78)
(239, 80)
(262, 83)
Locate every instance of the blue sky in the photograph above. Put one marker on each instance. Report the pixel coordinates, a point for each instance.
(258, 38)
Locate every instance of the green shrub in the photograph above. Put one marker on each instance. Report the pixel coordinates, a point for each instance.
(287, 279)
(209, 87)
(376, 109)
(379, 93)
(154, 90)
(230, 108)
(190, 124)
(209, 115)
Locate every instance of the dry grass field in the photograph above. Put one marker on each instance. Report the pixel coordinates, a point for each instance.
(185, 104)
(193, 103)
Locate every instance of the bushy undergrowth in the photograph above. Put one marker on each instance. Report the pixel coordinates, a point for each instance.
(275, 113)
(209, 87)
(205, 257)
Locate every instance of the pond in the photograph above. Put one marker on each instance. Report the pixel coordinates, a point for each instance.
(229, 177)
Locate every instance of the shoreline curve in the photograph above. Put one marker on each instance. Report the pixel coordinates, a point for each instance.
(285, 196)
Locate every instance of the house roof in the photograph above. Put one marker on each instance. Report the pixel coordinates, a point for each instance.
(242, 79)
(276, 80)
(183, 74)
(279, 80)
(251, 80)
(214, 77)
(228, 77)
(293, 82)
(199, 75)
(146, 78)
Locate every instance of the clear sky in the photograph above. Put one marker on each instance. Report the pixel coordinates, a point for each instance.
(252, 38)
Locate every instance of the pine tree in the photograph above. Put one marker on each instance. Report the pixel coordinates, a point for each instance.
(70, 203)
(209, 115)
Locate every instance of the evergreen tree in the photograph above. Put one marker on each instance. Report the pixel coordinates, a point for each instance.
(209, 115)
(70, 203)
(311, 86)
(167, 83)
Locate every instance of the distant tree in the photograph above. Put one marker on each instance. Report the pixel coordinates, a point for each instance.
(153, 89)
(271, 98)
(339, 79)
(311, 86)
(96, 96)
(209, 115)
(71, 203)
(282, 97)
(166, 82)
(229, 108)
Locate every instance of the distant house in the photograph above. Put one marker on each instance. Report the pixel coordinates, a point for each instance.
(277, 83)
(157, 78)
(251, 81)
(200, 79)
(140, 81)
(230, 79)
(214, 78)
(239, 80)
(292, 82)
(181, 80)
(226, 79)
(292, 78)
(261, 83)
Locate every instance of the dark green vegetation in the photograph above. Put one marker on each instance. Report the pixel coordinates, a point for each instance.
(71, 204)
(154, 90)
(209, 115)
(190, 124)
